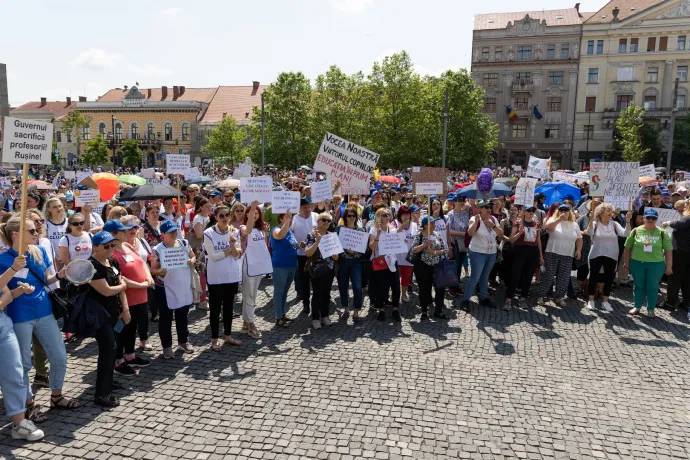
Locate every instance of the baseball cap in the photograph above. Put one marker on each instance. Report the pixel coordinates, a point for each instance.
(564, 207)
(665, 194)
(102, 237)
(530, 208)
(374, 193)
(168, 227)
(215, 193)
(457, 197)
(426, 220)
(651, 212)
(115, 226)
(414, 208)
(305, 201)
(484, 204)
(69, 196)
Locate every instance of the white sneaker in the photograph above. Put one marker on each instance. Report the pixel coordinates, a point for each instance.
(326, 321)
(606, 307)
(591, 305)
(561, 303)
(540, 301)
(203, 305)
(507, 306)
(316, 324)
(26, 430)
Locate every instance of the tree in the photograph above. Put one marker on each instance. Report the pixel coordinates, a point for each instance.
(74, 123)
(650, 141)
(131, 153)
(629, 128)
(96, 152)
(228, 139)
(681, 144)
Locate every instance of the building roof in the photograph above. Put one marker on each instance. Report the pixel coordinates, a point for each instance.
(565, 17)
(586, 16)
(58, 108)
(235, 101)
(156, 94)
(627, 9)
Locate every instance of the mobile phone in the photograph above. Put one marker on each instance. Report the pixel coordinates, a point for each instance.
(119, 326)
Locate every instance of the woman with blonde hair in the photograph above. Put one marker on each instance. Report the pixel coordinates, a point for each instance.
(76, 244)
(565, 241)
(56, 223)
(116, 213)
(323, 280)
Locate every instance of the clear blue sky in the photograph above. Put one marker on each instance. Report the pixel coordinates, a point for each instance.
(74, 47)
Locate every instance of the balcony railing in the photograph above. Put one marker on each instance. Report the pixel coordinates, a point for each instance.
(523, 85)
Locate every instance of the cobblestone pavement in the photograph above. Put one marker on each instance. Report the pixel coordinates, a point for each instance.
(543, 383)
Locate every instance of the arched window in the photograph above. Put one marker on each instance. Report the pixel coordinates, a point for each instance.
(185, 131)
(118, 131)
(167, 129)
(134, 130)
(102, 129)
(150, 131)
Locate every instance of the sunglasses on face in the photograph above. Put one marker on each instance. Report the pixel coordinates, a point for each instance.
(39, 221)
(32, 231)
(222, 216)
(325, 220)
(134, 228)
(651, 218)
(109, 246)
(351, 215)
(77, 224)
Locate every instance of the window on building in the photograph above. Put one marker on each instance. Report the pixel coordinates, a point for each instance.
(199, 135)
(550, 51)
(135, 131)
(651, 44)
(485, 53)
(589, 132)
(622, 45)
(69, 136)
(553, 104)
(524, 53)
(590, 47)
(498, 53)
(680, 101)
(600, 46)
(682, 73)
(551, 131)
(680, 43)
(490, 80)
(633, 44)
(556, 78)
(102, 129)
(150, 131)
(625, 74)
(58, 136)
(185, 132)
(590, 104)
(521, 103)
(652, 75)
(523, 77)
(649, 102)
(663, 43)
(489, 105)
(167, 129)
(565, 51)
(118, 131)
(623, 101)
(520, 130)
(86, 132)
(593, 75)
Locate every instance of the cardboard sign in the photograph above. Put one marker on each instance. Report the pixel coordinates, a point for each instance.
(282, 202)
(330, 245)
(192, 173)
(392, 243)
(84, 197)
(618, 202)
(256, 189)
(567, 178)
(524, 191)
(5, 183)
(354, 240)
(321, 191)
(97, 209)
(615, 178)
(648, 171)
(176, 163)
(350, 163)
(667, 215)
(539, 167)
(174, 258)
(517, 168)
(428, 188)
(81, 175)
(149, 173)
(430, 175)
(27, 141)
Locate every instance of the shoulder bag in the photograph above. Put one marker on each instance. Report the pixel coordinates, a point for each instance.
(317, 268)
(412, 256)
(59, 298)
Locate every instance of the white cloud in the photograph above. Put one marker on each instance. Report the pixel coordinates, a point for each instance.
(148, 70)
(97, 59)
(351, 6)
(172, 12)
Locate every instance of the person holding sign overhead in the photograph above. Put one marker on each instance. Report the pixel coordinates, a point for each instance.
(384, 275)
(321, 272)
(284, 259)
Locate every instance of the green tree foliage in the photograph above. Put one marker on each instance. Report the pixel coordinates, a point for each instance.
(131, 153)
(650, 141)
(629, 127)
(681, 143)
(73, 123)
(96, 152)
(227, 140)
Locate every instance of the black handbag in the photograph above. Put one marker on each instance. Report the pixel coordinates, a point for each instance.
(62, 307)
(318, 269)
(412, 256)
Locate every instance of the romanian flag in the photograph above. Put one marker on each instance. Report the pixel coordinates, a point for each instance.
(511, 113)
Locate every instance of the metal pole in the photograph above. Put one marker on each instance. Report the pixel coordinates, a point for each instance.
(673, 127)
(445, 130)
(262, 131)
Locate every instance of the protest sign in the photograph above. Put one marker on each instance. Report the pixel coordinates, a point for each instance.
(648, 171)
(539, 167)
(321, 191)
(5, 183)
(392, 243)
(584, 208)
(148, 173)
(282, 202)
(330, 245)
(176, 163)
(84, 197)
(430, 175)
(524, 192)
(618, 202)
(174, 258)
(567, 178)
(81, 175)
(256, 189)
(243, 170)
(98, 208)
(517, 168)
(615, 178)
(69, 174)
(428, 188)
(667, 215)
(192, 173)
(27, 141)
(416, 169)
(350, 163)
(686, 175)
(353, 240)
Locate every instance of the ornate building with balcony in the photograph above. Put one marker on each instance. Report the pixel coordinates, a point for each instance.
(631, 53)
(524, 61)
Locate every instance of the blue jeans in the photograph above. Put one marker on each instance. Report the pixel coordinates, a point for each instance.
(48, 333)
(282, 279)
(12, 382)
(350, 271)
(460, 260)
(480, 267)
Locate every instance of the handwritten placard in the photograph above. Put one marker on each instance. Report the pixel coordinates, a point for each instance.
(84, 197)
(353, 240)
(524, 192)
(567, 178)
(648, 171)
(618, 202)
(256, 189)
(321, 191)
(667, 215)
(430, 175)
(330, 245)
(428, 188)
(282, 201)
(69, 174)
(539, 167)
(615, 178)
(392, 243)
(5, 183)
(174, 258)
(176, 163)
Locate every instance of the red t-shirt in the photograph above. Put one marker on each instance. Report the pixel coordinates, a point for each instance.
(133, 268)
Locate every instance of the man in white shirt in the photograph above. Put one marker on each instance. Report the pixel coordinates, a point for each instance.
(302, 224)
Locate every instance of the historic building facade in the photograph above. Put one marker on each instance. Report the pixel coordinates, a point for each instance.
(527, 63)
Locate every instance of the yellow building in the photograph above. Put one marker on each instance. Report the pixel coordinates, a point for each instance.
(632, 51)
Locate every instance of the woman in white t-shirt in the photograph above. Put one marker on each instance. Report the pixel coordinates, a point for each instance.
(565, 241)
(56, 223)
(202, 217)
(76, 244)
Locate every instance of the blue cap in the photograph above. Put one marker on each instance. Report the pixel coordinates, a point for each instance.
(237, 195)
(115, 226)
(374, 192)
(651, 212)
(305, 200)
(168, 227)
(414, 208)
(450, 196)
(457, 197)
(564, 207)
(432, 198)
(425, 220)
(102, 237)
(215, 193)
(69, 196)
(665, 194)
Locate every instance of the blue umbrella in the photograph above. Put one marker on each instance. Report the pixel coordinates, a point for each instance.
(558, 191)
(496, 191)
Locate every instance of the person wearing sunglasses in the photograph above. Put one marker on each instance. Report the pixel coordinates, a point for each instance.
(223, 274)
(284, 259)
(404, 224)
(322, 278)
(303, 224)
(76, 244)
(56, 224)
(458, 221)
(386, 278)
(350, 269)
(257, 263)
(649, 254)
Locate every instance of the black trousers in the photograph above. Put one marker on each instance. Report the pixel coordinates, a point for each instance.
(304, 280)
(221, 297)
(680, 280)
(383, 281)
(525, 261)
(127, 338)
(165, 323)
(425, 278)
(595, 265)
(321, 299)
(152, 307)
(107, 349)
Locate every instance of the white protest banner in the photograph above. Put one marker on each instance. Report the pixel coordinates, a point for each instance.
(429, 188)
(89, 196)
(567, 178)
(648, 171)
(354, 240)
(192, 173)
(27, 141)
(243, 170)
(350, 163)
(98, 208)
(69, 174)
(524, 192)
(330, 245)
(517, 168)
(583, 209)
(667, 215)
(618, 202)
(81, 175)
(615, 178)
(321, 191)
(282, 202)
(174, 258)
(148, 173)
(416, 169)
(392, 243)
(5, 183)
(686, 175)
(256, 189)
(176, 163)
(539, 167)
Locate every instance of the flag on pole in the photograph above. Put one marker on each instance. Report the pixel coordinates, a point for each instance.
(511, 113)
(537, 113)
